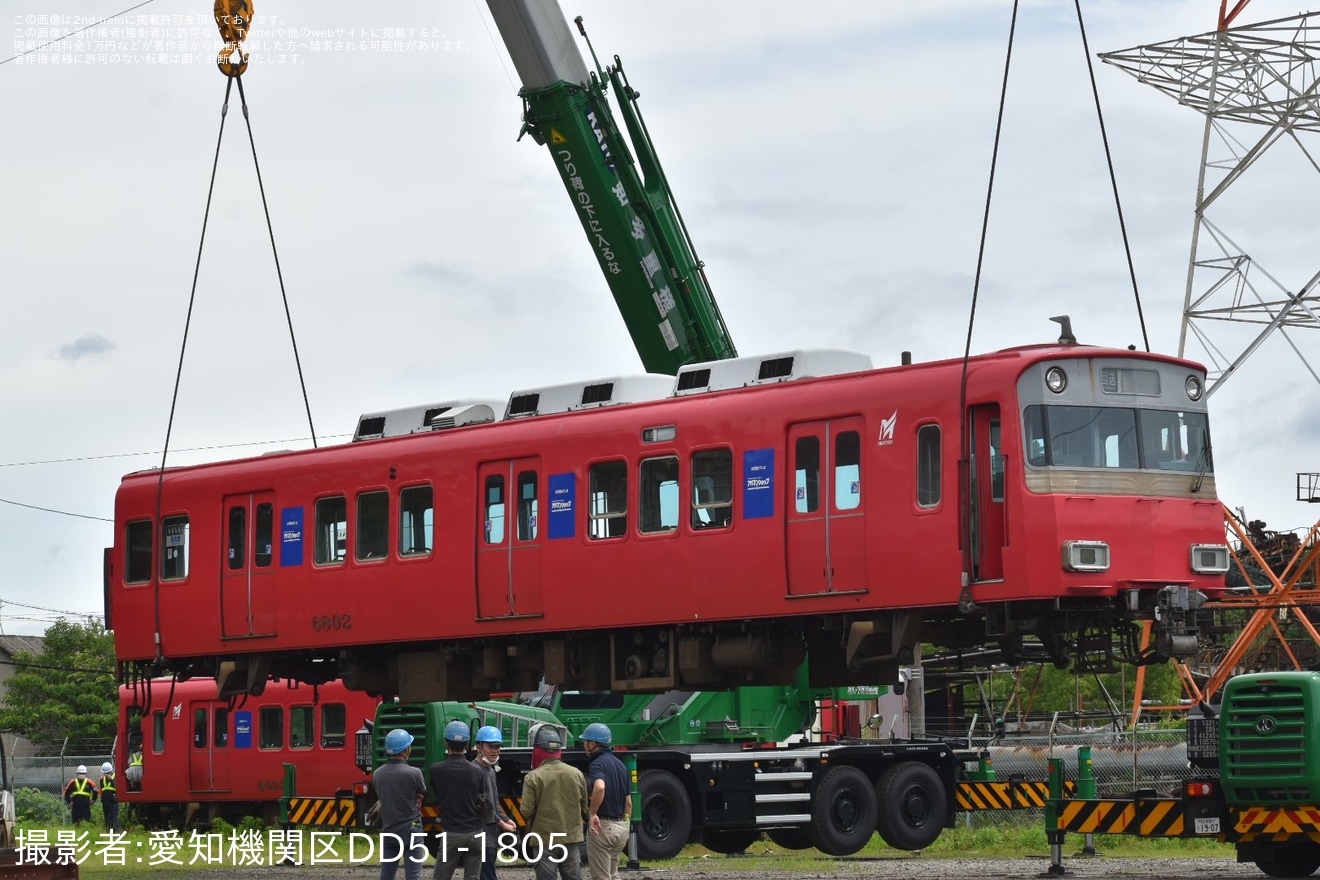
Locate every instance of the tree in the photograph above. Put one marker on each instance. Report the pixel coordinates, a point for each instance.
(68, 691)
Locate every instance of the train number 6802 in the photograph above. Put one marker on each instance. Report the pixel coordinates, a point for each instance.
(327, 622)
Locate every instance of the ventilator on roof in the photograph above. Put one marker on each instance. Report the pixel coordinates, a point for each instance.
(419, 419)
(587, 395)
(767, 370)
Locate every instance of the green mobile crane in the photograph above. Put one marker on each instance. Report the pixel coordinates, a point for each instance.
(619, 190)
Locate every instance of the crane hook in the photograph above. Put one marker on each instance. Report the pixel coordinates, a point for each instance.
(233, 17)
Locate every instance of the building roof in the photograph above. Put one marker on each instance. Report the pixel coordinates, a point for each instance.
(11, 645)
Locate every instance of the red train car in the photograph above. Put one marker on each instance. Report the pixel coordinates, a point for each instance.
(756, 511)
(204, 757)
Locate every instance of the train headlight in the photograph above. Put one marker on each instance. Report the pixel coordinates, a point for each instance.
(1209, 558)
(1056, 379)
(1193, 387)
(1085, 556)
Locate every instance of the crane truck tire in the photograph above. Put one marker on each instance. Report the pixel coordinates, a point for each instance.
(1292, 861)
(666, 815)
(912, 805)
(728, 840)
(843, 812)
(789, 838)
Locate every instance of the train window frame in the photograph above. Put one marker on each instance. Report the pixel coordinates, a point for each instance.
(657, 502)
(371, 531)
(331, 513)
(270, 728)
(334, 730)
(607, 492)
(236, 545)
(806, 480)
(930, 471)
(139, 558)
(716, 510)
(302, 727)
(494, 509)
(175, 534)
(416, 520)
(525, 528)
(263, 541)
(220, 727)
(846, 473)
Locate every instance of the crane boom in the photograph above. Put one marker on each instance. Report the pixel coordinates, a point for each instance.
(617, 186)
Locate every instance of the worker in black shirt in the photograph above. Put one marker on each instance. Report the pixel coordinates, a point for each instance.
(611, 803)
(459, 786)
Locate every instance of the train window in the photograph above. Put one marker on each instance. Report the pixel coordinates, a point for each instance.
(712, 489)
(996, 462)
(416, 521)
(1174, 441)
(301, 735)
(264, 542)
(334, 725)
(221, 727)
(174, 557)
(237, 550)
(494, 509)
(847, 471)
(608, 515)
(199, 728)
(1082, 436)
(158, 732)
(527, 506)
(137, 552)
(271, 734)
(806, 474)
(657, 509)
(373, 525)
(928, 466)
(331, 529)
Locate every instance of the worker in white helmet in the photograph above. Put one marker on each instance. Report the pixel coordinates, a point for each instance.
(80, 794)
(109, 797)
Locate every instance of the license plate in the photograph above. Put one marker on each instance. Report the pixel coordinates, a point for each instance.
(1209, 825)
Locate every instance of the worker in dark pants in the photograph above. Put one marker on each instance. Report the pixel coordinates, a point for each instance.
(109, 797)
(80, 794)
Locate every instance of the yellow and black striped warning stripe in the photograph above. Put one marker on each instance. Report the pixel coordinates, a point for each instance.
(512, 806)
(1157, 817)
(1278, 823)
(322, 812)
(1007, 795)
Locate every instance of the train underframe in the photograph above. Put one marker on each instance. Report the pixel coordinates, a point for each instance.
(1089, 633)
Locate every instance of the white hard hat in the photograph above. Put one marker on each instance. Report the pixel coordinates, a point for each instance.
(82, 770)
(107, 767)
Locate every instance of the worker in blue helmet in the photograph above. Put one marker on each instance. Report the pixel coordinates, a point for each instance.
(400, 788)
(611, 803)
(489, 741)
(459, 787)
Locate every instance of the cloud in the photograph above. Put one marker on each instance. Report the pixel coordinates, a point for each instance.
(87, 344)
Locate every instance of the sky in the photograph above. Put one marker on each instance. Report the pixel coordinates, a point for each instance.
(831, 164)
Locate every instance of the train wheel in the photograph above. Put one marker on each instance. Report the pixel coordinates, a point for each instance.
(666, 815)
(789, 838)
(728, 840)
(912, 805)
(1299, 862)
(843, 812)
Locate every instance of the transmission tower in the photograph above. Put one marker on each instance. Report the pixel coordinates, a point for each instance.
(1258, 86)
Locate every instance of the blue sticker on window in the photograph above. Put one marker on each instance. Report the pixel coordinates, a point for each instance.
(291, 536)
(563, 506)
(243, 728)
(758, 483)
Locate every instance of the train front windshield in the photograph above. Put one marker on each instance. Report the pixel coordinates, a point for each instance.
(1065, 436)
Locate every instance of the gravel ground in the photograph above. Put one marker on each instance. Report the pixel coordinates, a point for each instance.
(897, 868)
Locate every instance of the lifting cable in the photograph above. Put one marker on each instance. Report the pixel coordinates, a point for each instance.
(966, 604)
(234, 18)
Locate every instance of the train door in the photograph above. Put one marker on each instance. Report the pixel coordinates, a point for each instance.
(247, 584)
(208, 746)
(826, 520)
(987, 524)
(509, 539)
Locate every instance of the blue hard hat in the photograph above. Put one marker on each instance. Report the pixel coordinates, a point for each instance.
(490, 734)
(597, 732)
(457, 731)
(397, 741)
